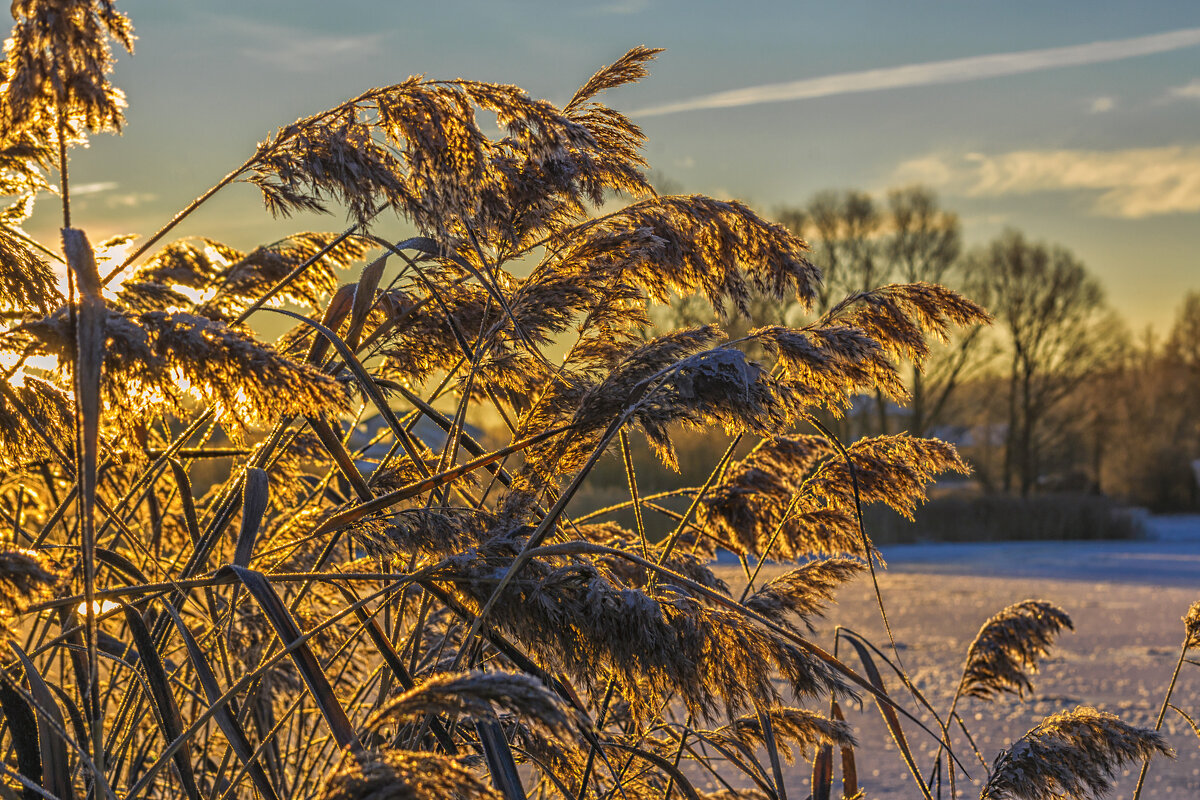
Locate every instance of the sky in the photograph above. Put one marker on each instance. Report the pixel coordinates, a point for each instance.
(1077, 123)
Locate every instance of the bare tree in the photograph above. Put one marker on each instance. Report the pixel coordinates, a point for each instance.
(843, 229)
(1050, 312)
(1183, 344)
(1182, 365)
(860, 244)
(925, 240)
(924, 244)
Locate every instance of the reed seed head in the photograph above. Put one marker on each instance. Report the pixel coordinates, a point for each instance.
(1071, 754)
(1008, 646)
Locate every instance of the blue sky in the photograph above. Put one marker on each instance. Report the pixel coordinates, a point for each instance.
(1076, 122)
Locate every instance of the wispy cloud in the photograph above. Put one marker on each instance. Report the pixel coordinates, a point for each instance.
(1100, 105)
(129, 199)
(298, 50)
(1131, 184)
(621, 7)
(105, 192)
(93, 188)
(1189, 91)
(957, 70)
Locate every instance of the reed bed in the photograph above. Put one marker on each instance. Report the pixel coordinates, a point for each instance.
(423, 617)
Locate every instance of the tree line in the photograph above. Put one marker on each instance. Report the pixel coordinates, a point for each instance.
(1057, 394)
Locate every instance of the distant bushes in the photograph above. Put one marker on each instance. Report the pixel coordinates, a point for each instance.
(968, 517)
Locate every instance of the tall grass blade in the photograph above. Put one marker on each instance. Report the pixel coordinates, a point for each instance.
(336, 311)
(56, 767)
(889, 715)
(364, 298)
(119, 563)
(254, 502)
(822, 773)
(310, 669)
(23, 731)
(337, 451)
(89, 362)
(849, 768)
(186, 499)
(676, 775)
(224, 715)
(355, 513)
(395, 663)
(169, 718)
(500, 761)
(73, 713)
(365, 382)
(772, 748)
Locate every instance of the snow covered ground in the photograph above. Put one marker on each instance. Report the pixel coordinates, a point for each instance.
(1126, 599)
(1169, 555)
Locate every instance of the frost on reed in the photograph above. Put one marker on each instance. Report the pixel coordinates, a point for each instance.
(796, 495)
(653, 644)
(475, 694)
(1071, 754)
(25, 577)
(1008, 646)
(796, 728)
(1191, 624)
(310, 577)
(403, 775)
(802, 592)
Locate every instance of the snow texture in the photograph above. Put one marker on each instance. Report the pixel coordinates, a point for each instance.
(1126, 599)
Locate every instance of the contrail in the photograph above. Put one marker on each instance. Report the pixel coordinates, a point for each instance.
(955, 70)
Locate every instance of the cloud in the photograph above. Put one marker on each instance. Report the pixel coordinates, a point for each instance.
(93, 188)
(1131, 184)
(957, 70)
(129, 199)
(104, 192)
(930, 170)
(1189, 91)
(621, 7)
(298, 50)
(1099, 105)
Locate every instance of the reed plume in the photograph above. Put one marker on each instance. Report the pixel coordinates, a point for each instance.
(654, 644)
(403, 775)
(314, 578)
(156, 361)
(1008, 646)
(26, 281)
(57, 66)
(1191, 624)
(802, 592)
(25, 577)
(797, 731)
(1071, 754)
(474, 694)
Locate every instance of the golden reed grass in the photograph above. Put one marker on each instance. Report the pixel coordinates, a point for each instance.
(211, 586)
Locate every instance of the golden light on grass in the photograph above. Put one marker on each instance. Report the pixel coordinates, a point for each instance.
(425, 614)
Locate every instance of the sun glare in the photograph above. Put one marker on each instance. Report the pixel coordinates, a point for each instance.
(13, 363)
(197, 296)
(99, 607)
